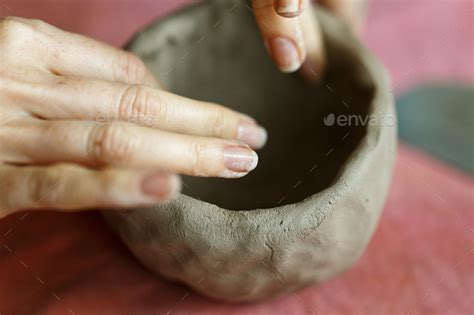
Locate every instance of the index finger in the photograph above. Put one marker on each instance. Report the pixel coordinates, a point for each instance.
(282, 36)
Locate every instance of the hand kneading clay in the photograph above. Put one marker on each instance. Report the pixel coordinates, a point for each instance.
(308, 210)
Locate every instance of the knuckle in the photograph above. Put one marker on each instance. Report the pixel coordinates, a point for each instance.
(138, 103)
(130, 68)
(198, 159)
(219, 123)
(45, 188)
(37, 25)
(15, 30)
(111, 145)
(18, 34)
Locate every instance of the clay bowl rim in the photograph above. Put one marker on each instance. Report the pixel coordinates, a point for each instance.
(372, 67)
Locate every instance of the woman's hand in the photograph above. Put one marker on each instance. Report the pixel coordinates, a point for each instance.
(83, 125)
(292, 35)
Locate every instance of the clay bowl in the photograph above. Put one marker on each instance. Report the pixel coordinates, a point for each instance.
(309, 209)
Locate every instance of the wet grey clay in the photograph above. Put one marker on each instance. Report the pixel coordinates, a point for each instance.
(309, 209)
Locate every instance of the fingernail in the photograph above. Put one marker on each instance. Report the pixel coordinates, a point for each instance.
(252, 134)
(240, 159)
(160, 185)
(285, 54)
(288, 8)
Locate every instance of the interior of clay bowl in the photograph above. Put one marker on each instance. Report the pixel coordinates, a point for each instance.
(206, 55)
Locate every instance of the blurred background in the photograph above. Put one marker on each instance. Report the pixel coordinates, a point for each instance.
(421, 259)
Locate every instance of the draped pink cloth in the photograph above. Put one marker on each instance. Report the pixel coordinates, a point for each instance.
(420, 260)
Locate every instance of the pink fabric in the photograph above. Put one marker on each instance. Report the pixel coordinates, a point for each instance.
(420, 260)
(423, 40)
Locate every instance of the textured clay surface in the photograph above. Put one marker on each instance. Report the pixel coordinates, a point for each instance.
(308, 210)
